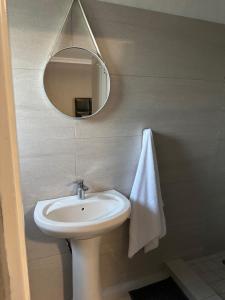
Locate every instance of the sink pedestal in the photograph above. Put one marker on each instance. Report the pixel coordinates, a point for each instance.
(86, 277)
(85, 221)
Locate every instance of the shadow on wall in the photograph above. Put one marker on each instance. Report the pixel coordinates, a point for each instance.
(184, 194)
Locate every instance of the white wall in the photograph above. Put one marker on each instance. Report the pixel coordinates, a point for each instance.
(209, 10)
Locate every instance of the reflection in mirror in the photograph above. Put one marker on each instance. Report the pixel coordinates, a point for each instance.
(77, 82)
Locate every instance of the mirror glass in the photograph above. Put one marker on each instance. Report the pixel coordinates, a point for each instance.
(77, 82)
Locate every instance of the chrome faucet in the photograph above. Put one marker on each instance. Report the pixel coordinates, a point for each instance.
(81, 189)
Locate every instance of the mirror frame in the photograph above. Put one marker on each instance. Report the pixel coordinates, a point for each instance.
(108, 76)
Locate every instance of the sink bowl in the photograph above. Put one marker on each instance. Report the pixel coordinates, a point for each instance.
(83, 222)
(70, 217)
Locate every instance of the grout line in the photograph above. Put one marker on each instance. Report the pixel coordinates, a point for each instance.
(60, 254)
(28, 69)
(29, 156)
(107, 137)
(169, 77)
(138, 76)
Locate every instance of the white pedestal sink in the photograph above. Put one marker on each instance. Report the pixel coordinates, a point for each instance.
(83, 222)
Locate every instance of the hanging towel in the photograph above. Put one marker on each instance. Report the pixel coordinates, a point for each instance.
(147, 221)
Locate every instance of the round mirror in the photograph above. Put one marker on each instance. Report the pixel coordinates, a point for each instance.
(77, 82)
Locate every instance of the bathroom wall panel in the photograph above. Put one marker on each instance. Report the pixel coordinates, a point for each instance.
(28, 83)
(200, 9)
(34, 110)
(184, 149)
(39, 245)
(185, 159)
(220, 158)
(189, 200)
(222, 122)
(50, 278)
(114, 242)
(108, 163)
(141, 266)
(179, 237)
(37, 135)
(158, 54)
(196, 29)
(160, 49)
(44, 177)
(180, 106)
(44, 147)
(184, 171)
(214, 200)
(214, 229)
(40, 146)
(35, 25)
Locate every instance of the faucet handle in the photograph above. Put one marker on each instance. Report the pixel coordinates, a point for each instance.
(80, 184)
(85, 188)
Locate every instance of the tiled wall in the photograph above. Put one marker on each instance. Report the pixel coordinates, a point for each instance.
(167, 73)
(199, 9)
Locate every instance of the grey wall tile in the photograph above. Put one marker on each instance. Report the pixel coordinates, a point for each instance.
(33, 109)
(64, 38)
(34, 26)
(33, 146)
(220, 158)
(40, 130)
(222, 124)
(214, 228)
(46, 177)
(44, 132)
(114, 242)
(50, 278)
(185, 159)
(188, 199)
(130, 269)
(39, 245)
(176, 107)
(196, 29)
(108, 163)
(158, 50)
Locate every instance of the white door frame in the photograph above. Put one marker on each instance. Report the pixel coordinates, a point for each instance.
(10, 194)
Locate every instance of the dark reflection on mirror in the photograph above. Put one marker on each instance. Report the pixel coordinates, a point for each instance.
(83, 107)
(77, 82)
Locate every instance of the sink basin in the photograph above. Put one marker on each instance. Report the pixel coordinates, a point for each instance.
(83, 222)
(70, 217)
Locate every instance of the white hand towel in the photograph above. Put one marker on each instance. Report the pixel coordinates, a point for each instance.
(147, 221)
